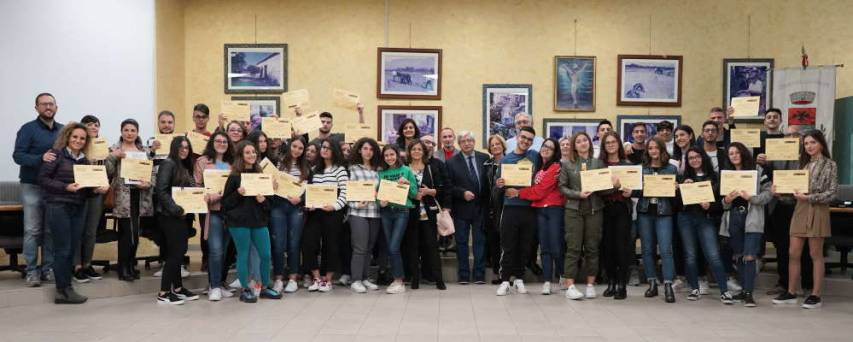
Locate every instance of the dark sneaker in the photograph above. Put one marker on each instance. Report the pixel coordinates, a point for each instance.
(785, 298)
(726, 298)
(269, 293)
(80, 277)
(69, 296)
(694, 295)
(185, 294)
(748, 301)
(92, 274)
(812, 302)
(738, 298)
(169, 298)
(33, 279)
(247, 296)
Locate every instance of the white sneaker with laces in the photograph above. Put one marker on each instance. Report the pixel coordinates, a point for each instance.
(396, 287)
(278, 285)
(344, 280)
(546, 288)
(503, 289)
(214, 294)
(226, 293)
(315, 286)
(184, 272)
(677, 285)
(235, 284)
(519, 286)
(325, 286)
(159, 273)
(703, 287)
(307, 281)
(291, 287)
(358, 287)
(369, 285)
(573, 293)
(733, 285)
(590, 291)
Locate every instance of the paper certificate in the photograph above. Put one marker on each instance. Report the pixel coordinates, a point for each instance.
(165, 141)
(236, 111)
(267, 167)
(361, 191)
(276, 127)
(698, 192)
(393, 192)
(517, 174)
(320, 195)
(731, 180)
(782, 149)
(746, 105)
(288, 186)
(595, 180)
(214, 180)
(198, 141)
(659, 186)
(345, 99)
(353, 132)
(190, 199)
(307, 123)
(98, 149)
(136, 169)
(630, 176)
(748, 136)
(297, 98)
(91, 176)
(257, 184)
(791, 181)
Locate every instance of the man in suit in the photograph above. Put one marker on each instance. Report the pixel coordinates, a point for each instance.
(447, 150)
(469, 192)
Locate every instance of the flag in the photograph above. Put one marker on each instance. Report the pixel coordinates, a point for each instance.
(806, 97)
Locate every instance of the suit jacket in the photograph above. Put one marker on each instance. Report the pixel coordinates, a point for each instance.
(457, 171)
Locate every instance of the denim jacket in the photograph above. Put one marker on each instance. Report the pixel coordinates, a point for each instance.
(665, 204)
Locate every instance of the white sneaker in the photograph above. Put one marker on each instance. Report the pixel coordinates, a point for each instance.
(369, 285)
(590, 291)
(733, 285)
(546, 288)
(278, 285)
(503, 290)
(235, 284)
(159, 273)
(519, 286)
(307, 281)
(315, 285)
(358, 287)
(325, 286)
(573, 293)
(184, 272)
(563, 284)
(291, 287)
(214, 294)
(226, 293)
(396, 287)
(703, 287)
(677, 285)
(344, 280)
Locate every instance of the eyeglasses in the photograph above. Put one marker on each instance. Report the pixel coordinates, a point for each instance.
(694, 158)
(220, 141)
(325, 147)
(235, 130)
(709, 130)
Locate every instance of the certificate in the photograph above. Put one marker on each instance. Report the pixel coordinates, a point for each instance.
(276, 127)
(320, 195)
(288, 186)
(750, 137)
(393, 192)
(782, 149)
(297, 98)
(236, 111)
(630, 176)
(698, 192)
(361, 191)
(136, 169)
(214, 180)
(267, 167)
(190, 199)
(353, 132)
(98, 149)
(731, 180)
(91, 176)
(659, 186)
(257, 184)
(165, 144)
(595, 180)
(791, 181)
(746, 106)
(198, 141)
(345, 99)
(307, 123)
(517, 174)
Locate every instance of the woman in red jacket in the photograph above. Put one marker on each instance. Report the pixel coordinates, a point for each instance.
(546, 198)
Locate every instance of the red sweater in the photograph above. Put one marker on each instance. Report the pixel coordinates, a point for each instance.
(545, 191)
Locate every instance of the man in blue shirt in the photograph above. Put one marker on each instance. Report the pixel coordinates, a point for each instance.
(32, 147)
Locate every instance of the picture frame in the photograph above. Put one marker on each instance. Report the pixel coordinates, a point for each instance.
(649, 80)
(260, 107)
(390, 117)
(574, 83)
(255, 68)
(559, 128)
(625, 122)
(413, 74)
(748, 77)
(501, 102)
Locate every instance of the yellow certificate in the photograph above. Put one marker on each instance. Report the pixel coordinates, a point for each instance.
(276, 127)
(320, 195)
(297, 98)
(595, 180)
(91, 176)
(214, 180)
(288, 186)
(659, 186)
(307, 123)
(782, 149)
(630, 176)
(746, 106)
(750, 137)
(190, 199)
(98, 149)
(392, 192)
(354, 132)
(257, 184)
(517, 174)
(136, 169)
(361, 191)
(267, 167)
(791, 181)
(345, 99)
(198, 141)
(731, 180)
(239, 111)
(698, 192)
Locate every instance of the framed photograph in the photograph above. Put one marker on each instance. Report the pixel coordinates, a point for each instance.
(624, 123)
(559, 128)
(649, 81)
(408, 74)
(255, 68)
(574, 84)
(501, 102)
(748, 77)
(428, 119)
(260, 106)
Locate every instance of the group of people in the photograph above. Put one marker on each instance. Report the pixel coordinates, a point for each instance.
(277, 241)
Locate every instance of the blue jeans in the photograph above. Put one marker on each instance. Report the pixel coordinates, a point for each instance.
(550, 220)
(66, 221)
(697, 230)
(286, 221)
(36, 233)
(475, 227)
(656, 230)
(217, 244)
(394, 221)
(745, 247)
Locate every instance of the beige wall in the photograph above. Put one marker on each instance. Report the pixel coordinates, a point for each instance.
(333, 44)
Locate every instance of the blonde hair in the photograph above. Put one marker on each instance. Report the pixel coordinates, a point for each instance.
(65, 135)
(499, 138)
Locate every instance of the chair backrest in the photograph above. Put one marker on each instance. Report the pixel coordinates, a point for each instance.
(10, 192)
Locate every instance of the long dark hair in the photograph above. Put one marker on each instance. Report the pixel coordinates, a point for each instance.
(555, 157)
(574, 156)
(255, 138)
(132, 122)
(664, 155)
(210, 151)
(401, 140)
(300, 161)
(187, 164)
(355, 155)
(602, 155)
(396, 150)
(239, 165)
(337, 155)
(817, 136)
(707, 166)
(676, 151)
(746, 161)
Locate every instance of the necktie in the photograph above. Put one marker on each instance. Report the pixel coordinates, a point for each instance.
(472, 173)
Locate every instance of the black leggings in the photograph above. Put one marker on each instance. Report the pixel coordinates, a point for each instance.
(617, 240)
(128, 233)
(322, 235)
(175, 234)
(420, 248)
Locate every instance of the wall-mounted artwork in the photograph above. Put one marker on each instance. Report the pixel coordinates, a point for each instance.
(255, 68)
(408, 74)
(649, 80)
(574, 84)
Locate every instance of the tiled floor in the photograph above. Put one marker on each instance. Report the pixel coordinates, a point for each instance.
(462, 313)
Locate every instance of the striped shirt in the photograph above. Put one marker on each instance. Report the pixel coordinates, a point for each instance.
(358, 172)
(334, 175)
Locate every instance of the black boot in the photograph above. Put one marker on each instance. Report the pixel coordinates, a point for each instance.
(653, 289)
(415, 283)
(440, 285)
(621, 291)
(611, 288)
(669, 294)
(124, 272)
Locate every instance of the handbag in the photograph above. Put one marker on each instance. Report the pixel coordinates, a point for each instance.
(442, 220)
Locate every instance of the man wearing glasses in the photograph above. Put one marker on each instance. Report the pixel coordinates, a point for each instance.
(716, 153)
(201, 115)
